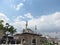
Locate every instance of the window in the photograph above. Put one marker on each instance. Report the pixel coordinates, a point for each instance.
(24, 41)
(34, 42)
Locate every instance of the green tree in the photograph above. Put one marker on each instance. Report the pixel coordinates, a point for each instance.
(1, 24)
(10, 28)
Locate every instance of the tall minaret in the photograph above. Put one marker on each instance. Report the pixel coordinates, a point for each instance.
(35, 28)
(25, 30)
(26, 24)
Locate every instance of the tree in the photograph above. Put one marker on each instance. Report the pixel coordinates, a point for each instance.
(10, 28)
(1, 24)
(7, 27)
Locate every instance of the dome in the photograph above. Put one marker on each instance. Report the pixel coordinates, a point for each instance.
(27, 30)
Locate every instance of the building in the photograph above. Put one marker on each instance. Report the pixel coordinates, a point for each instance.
(1, 33)
(28, 37)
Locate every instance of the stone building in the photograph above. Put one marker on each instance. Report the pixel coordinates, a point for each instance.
(28, 37)
(1, 33)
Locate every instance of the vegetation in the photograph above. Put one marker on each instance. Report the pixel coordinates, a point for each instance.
(51, 43)
(1, 24)
(7, 27)
(48, 43)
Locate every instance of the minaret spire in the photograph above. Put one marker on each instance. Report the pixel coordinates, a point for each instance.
(35, 27)
(26, 24)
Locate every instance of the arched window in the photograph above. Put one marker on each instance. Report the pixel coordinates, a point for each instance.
(33, 41)
(24, 41)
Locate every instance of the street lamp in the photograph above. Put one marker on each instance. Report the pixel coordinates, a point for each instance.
(7, 33)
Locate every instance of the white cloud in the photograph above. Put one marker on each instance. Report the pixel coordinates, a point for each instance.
(45, 23)
(52, 34)
(18, 7)
(19, 25)
(28, 15)
(18, 18)
(4, 17)
(24, 17)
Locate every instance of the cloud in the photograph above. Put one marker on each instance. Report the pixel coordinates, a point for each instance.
(45, 23)
(52, 34)
(20, 25)
(18, 18)
(18, 7)
(28, 15)
(4, 17)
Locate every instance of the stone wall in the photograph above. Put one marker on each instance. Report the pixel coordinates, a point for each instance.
(26, 39)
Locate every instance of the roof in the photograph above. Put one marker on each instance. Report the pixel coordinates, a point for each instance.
(29, 34)
(28, 30)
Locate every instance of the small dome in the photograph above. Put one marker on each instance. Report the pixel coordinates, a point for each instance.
(27, 30)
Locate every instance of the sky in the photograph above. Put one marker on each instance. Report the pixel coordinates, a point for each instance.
(43, 13)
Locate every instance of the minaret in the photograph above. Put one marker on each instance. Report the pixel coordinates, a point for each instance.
(26, 24)
(25, 30)
(35, 28)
